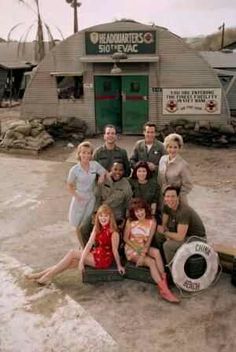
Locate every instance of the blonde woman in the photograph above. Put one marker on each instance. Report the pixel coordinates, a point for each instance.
(100, 251)
(173, 169)
(80, 183)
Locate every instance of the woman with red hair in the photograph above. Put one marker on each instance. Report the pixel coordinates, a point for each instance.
(100, 251)
(139, 230)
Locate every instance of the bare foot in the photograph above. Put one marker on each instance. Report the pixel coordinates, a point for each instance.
(46, 283)
(32, 276)
(45, 280)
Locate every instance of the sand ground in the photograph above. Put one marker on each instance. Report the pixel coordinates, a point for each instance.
(124, 316)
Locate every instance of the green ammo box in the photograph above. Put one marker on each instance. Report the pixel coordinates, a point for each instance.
(92, 275)
(139, 273)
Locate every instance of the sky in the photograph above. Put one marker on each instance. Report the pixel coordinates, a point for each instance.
(186, 18)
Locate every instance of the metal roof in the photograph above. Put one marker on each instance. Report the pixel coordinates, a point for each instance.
(66, 73)
(122, 26)
(232, 45)
(218, 59)
(225, 72)
(15, 65)
(14, 55)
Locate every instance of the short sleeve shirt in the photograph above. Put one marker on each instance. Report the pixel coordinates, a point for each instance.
(185, 215)
(85, 181)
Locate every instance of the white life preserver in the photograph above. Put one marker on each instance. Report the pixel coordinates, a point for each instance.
(179, 275)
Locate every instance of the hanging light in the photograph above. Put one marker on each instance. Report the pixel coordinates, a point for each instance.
(115, 69)
(117, 57)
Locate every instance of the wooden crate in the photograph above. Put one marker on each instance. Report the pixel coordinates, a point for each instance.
(92, 275)
(139, 273)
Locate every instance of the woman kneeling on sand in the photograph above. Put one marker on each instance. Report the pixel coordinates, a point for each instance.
(100, 251)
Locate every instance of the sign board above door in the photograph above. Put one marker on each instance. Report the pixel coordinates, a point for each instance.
(131, 42)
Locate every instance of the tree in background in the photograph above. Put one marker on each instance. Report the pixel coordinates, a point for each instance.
(41, 28)
(213, 41)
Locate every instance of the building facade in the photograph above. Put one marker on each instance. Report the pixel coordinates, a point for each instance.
(125, 73)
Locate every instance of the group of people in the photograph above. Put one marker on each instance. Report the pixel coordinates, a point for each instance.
(139, 202)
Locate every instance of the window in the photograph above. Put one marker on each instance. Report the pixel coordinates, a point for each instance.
(135, 87)
(69, 87)
(107, 86)
(225, 80)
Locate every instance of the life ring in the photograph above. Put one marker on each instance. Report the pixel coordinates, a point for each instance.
(179, 275)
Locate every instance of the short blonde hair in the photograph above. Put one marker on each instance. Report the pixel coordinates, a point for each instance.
(173, 137)
(85, 144)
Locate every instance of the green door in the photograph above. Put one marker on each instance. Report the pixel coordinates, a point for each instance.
(108, 102)
(134, 103)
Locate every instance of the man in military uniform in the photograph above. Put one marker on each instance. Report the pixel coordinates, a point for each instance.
(179, 222)
(109, 153)
(148, 149)
(116, 192)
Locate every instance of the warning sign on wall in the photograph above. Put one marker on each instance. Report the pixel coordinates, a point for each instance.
(182, 101)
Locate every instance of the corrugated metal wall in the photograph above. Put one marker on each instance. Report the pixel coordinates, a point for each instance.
(40, 99)
(231, 94)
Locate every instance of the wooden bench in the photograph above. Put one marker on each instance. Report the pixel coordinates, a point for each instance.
(139, 273)
(92, 275)
(227, 256)
(233, 277)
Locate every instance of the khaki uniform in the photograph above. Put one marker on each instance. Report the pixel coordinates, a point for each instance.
(149, 191)
(141, 153)
(107, 157)
(175, 173)
(115, 194)
(184, 215)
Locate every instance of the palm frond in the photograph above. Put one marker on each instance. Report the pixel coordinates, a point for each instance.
(12, 30)
(22, 42)
(52, 42)
(39, 47)
(60, 32)
(40, 52)
(27, 5)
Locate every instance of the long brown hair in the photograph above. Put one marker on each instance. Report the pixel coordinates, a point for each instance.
(107, 210)
(139, 203)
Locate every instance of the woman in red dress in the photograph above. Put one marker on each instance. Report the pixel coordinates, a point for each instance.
(100, 251)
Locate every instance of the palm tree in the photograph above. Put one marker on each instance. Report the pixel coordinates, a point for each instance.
(40, 45)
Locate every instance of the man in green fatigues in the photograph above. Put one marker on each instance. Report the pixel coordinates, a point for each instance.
(179, 222)
(108, 153)
(116, 192)
(148, 149)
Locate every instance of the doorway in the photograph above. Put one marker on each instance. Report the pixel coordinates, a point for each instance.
(121, 101)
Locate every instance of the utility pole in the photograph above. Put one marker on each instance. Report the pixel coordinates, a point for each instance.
(75, 4)
(222, 28)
